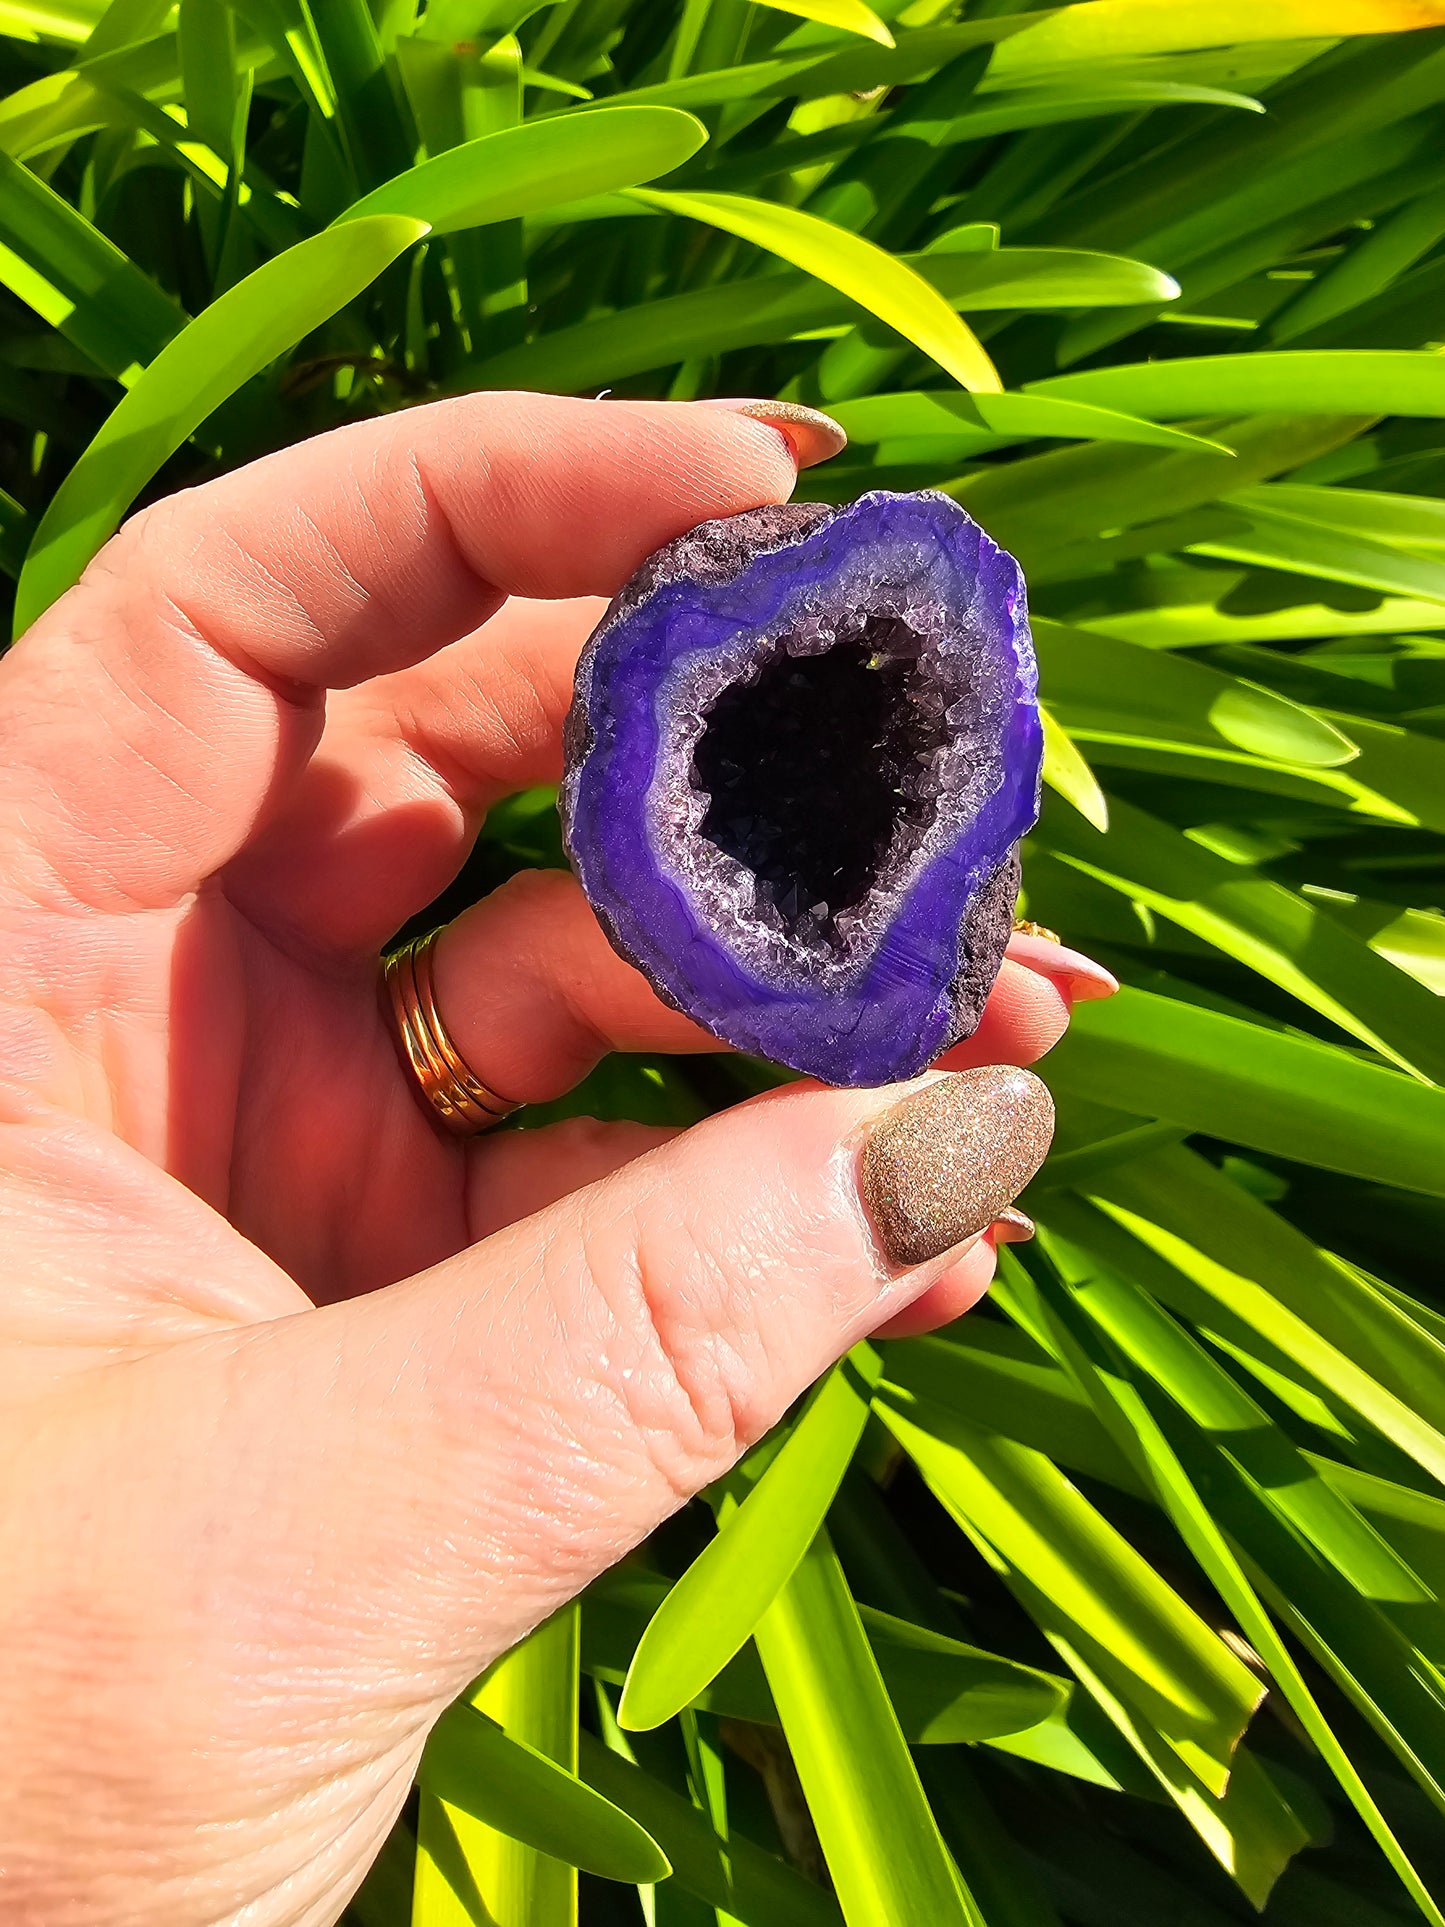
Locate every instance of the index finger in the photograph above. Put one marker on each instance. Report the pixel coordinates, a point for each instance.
(166, 702)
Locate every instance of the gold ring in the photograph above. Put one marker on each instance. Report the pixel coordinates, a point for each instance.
(454, 1095)
(1026, 927)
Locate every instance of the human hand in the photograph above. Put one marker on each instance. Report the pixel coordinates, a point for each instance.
(309, 1412)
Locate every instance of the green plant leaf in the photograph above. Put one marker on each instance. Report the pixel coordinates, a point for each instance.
(778, 307)
(1127, 1409)
(879, 282)
(1137, 1645)
(944, 1691)
(930, 412)
(996, 1376)
(473, 1765)
(849, 16)
(521, 170)
(751, 1885)
(719, 1600)
(1415, 523)
(1067, 771)
(1104, 687)
(1290, 940)
(497, 1826)
(1286, 542)
(210, 358)
(1266, 1088)
(1295, 382)
(49, 20)
(77, 280)
(888, 1863)
(1313, 1313)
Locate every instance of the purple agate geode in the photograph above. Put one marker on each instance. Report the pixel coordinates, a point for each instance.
(804, 744)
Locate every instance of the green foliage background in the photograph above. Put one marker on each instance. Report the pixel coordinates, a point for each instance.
(1121, 1601)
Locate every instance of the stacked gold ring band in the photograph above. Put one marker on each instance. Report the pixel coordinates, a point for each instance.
(454, 1095)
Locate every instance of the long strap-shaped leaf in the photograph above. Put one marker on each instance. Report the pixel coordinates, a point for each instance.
(1066, 770)
(735, 1876)
(1090, 1590)
(1289, 940)
(877, 280)
(522, 170)
(942, 413)
(233, 339)
(1100, 684)
(1333, 1328)
(77, 280)
(499, 1839)
(776, 307)
(1126, 1411)
(719, 1600)
(1362, 381)
(1368, 1618)
(1096, 30)
(1109, 29)
(475, 1766)
(849, 16)
(1161, 1057)
(889, 1864)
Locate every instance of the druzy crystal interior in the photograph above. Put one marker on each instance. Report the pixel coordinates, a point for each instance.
(804, 745)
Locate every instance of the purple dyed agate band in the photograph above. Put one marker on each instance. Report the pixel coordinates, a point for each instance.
(909, 977)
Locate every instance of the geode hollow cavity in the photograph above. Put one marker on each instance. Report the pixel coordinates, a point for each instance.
(804, 745)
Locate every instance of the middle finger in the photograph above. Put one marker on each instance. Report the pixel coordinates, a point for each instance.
(534, 995)
(407, 766)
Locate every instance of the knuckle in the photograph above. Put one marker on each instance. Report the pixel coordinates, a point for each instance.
(695, 1382)
(537, 893)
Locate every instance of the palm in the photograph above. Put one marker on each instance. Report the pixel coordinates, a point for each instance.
(325, 1160)
(245, 842)
(257, 739)
(258, 1064)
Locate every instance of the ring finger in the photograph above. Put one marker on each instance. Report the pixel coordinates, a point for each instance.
(533, 995)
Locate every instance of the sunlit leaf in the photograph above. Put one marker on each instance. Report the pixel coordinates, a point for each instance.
(719, 1600)
(876, 418)
(520, 170)
(207, 361)
(1108, 29)
(77, 280)
(1262, 1087)
(504, 1822)
(1116, 1621)
(849, 16)
(1067, 771)
(944, 1691)
(474, 1767)
(889, 1865)
(879, 282)
(1301, 381)
(753, 1886)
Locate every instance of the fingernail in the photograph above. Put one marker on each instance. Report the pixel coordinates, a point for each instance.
(948, 1161)
(1013, 1227)
(811, 435)
(1049, 958)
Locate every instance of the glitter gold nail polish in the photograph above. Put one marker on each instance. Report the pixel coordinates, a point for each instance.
(947, 1161)
(812, 435)
(1013, 1227)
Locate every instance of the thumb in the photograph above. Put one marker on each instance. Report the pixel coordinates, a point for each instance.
(467, 1449)
(330, 1521)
